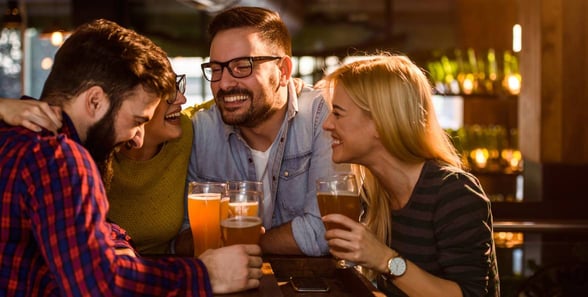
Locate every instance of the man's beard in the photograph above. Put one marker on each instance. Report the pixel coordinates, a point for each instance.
(100, 142)
(253, 116)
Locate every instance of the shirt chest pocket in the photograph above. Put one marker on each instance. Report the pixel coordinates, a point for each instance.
(295, 167)
(293, 183)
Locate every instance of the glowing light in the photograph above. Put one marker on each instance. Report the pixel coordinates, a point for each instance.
(517, 33)
(46, 63)
(468, 84)
(514, 84)
(480, 157)
(56, 38)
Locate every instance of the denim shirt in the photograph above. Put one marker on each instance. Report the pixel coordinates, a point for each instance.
(301, 153)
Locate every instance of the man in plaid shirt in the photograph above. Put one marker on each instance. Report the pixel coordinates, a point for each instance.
(54, 237)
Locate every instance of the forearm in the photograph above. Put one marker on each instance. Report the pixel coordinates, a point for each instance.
(280, 240)
(417, 282)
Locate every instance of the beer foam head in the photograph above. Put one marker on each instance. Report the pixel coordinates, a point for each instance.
(338, 193)
(241, 222)
(205, 196)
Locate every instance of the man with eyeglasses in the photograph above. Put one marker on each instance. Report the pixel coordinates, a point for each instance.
(261, 129)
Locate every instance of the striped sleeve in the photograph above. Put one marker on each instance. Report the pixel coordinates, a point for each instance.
(463, 226)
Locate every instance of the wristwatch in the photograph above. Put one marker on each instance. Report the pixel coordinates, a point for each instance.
(397, 266)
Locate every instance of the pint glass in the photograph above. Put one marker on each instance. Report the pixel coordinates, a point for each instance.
(204, 200)
(242, 224)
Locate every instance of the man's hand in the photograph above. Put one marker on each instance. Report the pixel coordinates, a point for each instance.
(31, 114)
(125, 251)
(233, 268)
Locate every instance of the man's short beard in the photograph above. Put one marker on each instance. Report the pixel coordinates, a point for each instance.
(255, 115)
(106, 170)
(100, 142)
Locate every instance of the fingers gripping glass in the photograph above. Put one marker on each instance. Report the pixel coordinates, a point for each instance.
(180, 86)
(238, 67)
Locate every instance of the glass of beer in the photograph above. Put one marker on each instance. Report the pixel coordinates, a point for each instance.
(242, 224)
(339, 193)
(204, 211)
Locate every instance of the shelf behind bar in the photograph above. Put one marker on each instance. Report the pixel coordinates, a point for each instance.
(541, 226)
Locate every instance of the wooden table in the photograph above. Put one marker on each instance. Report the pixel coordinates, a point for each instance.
(279, 269)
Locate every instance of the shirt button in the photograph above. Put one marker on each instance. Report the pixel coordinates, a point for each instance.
(286, 173)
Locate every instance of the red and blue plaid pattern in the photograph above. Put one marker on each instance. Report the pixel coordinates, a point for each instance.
(54, 237)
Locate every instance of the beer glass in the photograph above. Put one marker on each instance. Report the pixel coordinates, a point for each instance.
(242, 224)
(204, 212)
(339, 193)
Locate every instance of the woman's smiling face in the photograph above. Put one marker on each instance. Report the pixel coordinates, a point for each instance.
(352, 129)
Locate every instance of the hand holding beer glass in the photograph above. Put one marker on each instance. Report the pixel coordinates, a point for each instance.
(204, 213)
(339, 193)
(242, 224)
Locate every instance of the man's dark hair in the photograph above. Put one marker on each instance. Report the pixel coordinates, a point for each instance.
(102, 53)
(268, 23)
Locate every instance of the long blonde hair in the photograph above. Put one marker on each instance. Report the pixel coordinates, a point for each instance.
(397, 95)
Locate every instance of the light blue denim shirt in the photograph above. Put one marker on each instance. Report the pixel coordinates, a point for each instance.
(299, 155)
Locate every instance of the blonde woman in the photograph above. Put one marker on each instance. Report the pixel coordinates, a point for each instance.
(427, 229)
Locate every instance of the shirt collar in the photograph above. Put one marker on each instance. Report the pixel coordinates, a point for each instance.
(69, 129)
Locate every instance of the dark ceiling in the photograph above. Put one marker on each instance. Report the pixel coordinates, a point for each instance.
(318, 27)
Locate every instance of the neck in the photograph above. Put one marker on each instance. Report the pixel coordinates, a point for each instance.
(79, 121)
(262, 136)
(398, 178)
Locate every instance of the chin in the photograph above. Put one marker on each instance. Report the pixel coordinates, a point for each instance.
(338, 159)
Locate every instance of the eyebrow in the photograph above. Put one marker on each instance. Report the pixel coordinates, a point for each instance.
(142, 119)
(338, 107)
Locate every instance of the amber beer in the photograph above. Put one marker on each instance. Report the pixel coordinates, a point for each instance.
(204, 213)
(345, 203)
(241, 230)
(242, 224)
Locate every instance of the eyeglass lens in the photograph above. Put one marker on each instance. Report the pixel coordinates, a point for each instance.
(238, 68)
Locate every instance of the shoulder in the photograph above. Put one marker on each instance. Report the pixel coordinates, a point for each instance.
(310, 97)
(191, 110)
(39, 155)
(452, 187)
(312, 108)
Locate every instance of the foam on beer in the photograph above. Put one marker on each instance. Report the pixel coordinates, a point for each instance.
(205, 196)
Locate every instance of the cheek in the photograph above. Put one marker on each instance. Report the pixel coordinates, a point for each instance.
(123, 133)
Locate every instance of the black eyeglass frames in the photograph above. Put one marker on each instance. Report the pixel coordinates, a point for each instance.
(181, 83)
(180, 87)
(238, 67)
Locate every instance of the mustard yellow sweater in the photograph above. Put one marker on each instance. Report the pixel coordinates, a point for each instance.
(147, 198)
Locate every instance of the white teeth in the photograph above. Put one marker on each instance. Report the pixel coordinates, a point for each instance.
(235, 98)
(173, 115)
(336, 141)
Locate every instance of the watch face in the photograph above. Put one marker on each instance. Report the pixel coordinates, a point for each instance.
(397, 266)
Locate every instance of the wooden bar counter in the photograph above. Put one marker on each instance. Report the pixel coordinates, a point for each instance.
(278, 270)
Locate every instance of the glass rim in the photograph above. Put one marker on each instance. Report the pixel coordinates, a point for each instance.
(336, 176)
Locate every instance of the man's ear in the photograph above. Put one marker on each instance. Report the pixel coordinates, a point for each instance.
(285, 70)
(96, 102)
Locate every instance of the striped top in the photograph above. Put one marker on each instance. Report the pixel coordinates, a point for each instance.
(446, 229)
(54, 237)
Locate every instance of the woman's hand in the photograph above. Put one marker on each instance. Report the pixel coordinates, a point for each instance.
(356, 243)
(31, 114)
